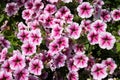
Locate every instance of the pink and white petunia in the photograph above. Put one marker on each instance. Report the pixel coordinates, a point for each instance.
(111, 65)
(50, 8)
(105, 15)
(17, 61)
(99, 26)
(68, 18)
(23, 35)
(115, 14)
(62, 42)
(29, 4)
(85, 10)
(73, 75)
(56, 31)
(86, 25)
(74, 30)
(37, 6)
(5, 75)
(80, 60)
(35, 37)
(98, 71)
(99, 3)
(22, 26)
(62, 12)
(71, 66)
(6, 66)
(59, 60)
(5, 43)
(28, 48)
(21, 74)
(93, 37)
(54, 47)
(106, 40)
(33, 25)
(3, 54)
(35, 67)
(79, 49)
(11, 8)
(26, 14)
(48, 21)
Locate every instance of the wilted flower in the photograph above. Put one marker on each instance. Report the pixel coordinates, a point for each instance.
(11, 8)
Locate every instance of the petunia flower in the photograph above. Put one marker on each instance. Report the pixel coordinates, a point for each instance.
(50, 8)
(29, 4)
(11, 8)
(98, 71)
(62, 12)
(17, 61)
(106, 40)
(53, 47)
(56, 31)
(21, 74)
(5, 75)
(115, 14)
(59, 60)
(73, 75)
(74, 30)
(35, 37)
(26, 14)
(23, 35)
(110, 63)
(68, 18)
(99, 26)
(71, 66)
(28, 48)
(35, 67)
(6, 66)
(62, 42)
(22, 26)
(33, 25)
(37, 6)
(3, 54)
(105, 15)
(79, 49)
(80, 60)
(93, 37)
(86, 25)
(85, 10)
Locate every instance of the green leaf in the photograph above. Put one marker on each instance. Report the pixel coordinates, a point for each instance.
(118, 47)
(1, 17)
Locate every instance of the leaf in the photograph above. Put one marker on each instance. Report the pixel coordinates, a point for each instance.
(118, 47)
(1, 17)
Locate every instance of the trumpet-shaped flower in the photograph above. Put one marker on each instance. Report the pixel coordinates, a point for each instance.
(110, 63)
(85, 10)
(80, 60)
(98, 71)
(74, 30)
(106, 40)
(35, 67)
